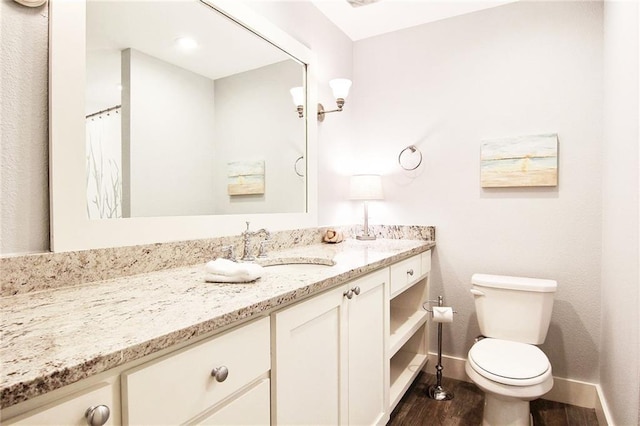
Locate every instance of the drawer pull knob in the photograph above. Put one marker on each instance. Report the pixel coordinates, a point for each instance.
(410, 272)
(97, 415)
(356, 290)
(348, 294)
(220, 373)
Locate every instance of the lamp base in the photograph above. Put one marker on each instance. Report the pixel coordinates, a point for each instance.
(365, 237)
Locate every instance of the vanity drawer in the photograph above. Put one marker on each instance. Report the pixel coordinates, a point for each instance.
(251, 408)
(179, 386)
(71, 410)
(405, 273)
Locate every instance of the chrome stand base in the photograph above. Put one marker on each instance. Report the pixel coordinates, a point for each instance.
(436, 392)
(365, 237)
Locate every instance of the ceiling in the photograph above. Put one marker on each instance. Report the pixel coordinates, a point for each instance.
(373, 18)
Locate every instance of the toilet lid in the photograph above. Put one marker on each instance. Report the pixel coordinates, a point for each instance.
(511, 360)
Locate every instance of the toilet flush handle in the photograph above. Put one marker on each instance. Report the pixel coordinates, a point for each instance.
(476, 292)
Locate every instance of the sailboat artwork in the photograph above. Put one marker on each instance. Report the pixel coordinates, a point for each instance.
(519, 161)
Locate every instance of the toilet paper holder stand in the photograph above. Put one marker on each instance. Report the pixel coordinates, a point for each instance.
(437, 392)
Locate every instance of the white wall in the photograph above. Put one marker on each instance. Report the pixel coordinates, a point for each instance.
(257, 121)
(518, 69)
(619, 365)
(24, 191)
(168, 146)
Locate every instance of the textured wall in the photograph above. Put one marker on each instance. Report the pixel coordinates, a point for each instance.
(620, 355)
(518, 69)
(24, 191)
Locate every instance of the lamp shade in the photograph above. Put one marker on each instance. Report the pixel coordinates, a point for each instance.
(297, 93)
(366, 187)
(340, 87)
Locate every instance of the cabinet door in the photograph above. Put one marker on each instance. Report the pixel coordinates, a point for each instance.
(309, 362)
(367, 366)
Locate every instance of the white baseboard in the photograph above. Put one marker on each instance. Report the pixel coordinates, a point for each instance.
(567, 391)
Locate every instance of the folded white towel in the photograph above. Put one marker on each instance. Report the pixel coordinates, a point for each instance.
(211, 278)
(224, 270)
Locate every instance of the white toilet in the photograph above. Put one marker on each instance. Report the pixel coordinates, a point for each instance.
(513, 314)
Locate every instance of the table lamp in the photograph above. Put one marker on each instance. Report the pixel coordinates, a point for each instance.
(366, 188)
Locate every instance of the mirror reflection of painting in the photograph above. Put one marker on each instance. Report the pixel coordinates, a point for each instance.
(169, 107)
(246, 178)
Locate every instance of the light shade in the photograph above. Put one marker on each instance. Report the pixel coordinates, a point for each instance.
(366, 187)
(340, 87)
(297, 93)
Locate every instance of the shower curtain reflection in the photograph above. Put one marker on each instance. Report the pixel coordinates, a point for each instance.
(104, 166)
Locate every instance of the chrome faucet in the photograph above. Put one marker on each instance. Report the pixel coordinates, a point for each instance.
(246, 253)
(229, 253)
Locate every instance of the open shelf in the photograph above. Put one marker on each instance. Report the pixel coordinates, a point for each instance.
(403, 324)
(407, 362)
(405, 366)
(408, 329)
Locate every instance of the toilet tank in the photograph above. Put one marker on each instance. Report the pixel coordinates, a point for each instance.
(513, 308)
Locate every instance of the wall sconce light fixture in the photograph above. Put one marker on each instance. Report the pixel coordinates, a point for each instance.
(297, 93)
(366, 187)
(340, 88)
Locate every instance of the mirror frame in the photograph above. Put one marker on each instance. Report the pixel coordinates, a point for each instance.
(71, 228)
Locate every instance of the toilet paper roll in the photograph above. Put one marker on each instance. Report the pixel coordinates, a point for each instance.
(442, 314)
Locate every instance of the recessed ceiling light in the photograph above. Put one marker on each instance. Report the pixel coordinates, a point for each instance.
(186, 43)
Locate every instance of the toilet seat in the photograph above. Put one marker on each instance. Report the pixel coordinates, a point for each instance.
(509, 363)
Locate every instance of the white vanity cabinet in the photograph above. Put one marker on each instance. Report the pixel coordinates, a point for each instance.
(344, 356)
(207, 382)
(329, 356)
(408, 331)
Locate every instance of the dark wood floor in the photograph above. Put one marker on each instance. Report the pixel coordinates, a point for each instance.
(416, 408)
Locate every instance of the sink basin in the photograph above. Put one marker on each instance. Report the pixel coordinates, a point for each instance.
(297, 264)
(297, 267)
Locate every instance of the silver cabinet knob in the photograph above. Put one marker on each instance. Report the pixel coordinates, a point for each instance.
(97, 415)
(356, 290)
(410, 272)
(220, 373)
(348, 294)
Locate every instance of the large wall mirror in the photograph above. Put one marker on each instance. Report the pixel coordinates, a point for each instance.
(173, 120)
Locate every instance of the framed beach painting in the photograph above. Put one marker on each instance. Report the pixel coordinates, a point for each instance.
(519, 161)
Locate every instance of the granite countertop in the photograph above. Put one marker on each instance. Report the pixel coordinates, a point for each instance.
(53, 338)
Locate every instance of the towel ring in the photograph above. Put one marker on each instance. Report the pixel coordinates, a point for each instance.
(295, 166)
(413, 149)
